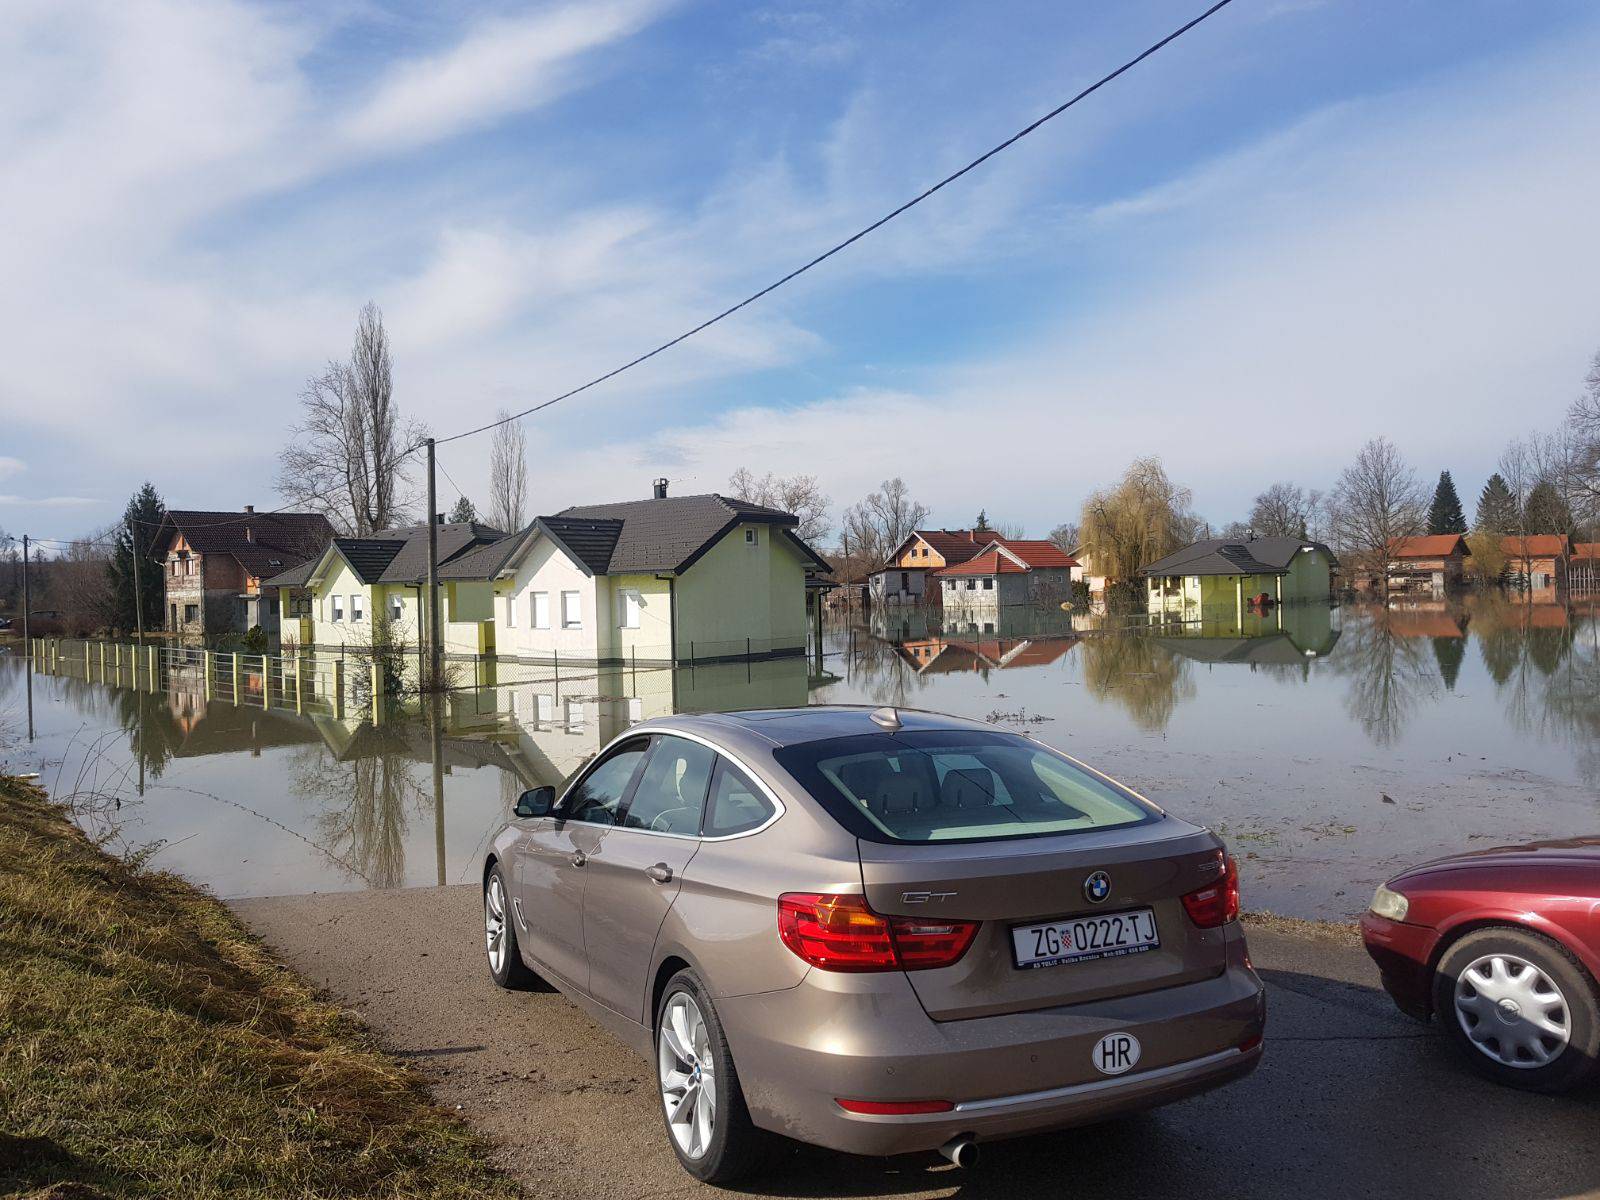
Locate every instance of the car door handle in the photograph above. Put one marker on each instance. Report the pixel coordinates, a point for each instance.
(580, 859)
(661, 873)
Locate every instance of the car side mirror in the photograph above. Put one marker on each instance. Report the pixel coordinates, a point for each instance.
(536, 802)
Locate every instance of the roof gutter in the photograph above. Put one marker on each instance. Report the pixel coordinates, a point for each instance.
(672, 619)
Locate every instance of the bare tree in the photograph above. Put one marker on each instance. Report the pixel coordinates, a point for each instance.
(508, 474)
(1284, 510)
(801, 495)
(346, 455)
(875, 526)
(1378, 498)
(1065, 536)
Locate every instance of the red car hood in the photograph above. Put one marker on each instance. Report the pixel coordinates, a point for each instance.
(1585, 850)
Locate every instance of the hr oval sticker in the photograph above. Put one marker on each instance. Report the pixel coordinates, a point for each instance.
(1116, 1053)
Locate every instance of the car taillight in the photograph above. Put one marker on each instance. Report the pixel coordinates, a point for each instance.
(895, 1108)
(1216, 903)
(840, 933)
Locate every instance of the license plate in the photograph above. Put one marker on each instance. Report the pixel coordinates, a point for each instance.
(1080, 939)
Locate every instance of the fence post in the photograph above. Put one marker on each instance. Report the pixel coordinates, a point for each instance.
(237, 672)
(338, 688)
(299, 703)
(377, 692)
(266, 683)
(154, 663)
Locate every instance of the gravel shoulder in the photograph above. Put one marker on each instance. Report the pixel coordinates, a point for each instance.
(1352, 1095)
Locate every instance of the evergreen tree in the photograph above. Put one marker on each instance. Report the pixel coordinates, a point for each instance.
(1497, 507)
(463, 511)
(1446, 516)
(1546, 511)
(1448, 653)
(982, 523)
(135, 535)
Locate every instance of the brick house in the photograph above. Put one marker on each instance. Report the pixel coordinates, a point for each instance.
(212, 565)
(903, 578)
(1432, 563)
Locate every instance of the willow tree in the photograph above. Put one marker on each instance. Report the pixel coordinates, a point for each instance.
(1145, 516)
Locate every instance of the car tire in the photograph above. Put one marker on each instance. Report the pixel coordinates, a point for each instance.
(506, 967)
(735, 1148)
(1489, 989)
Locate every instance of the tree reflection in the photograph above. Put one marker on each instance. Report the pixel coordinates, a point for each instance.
(366, 803)
(1388, 673)
(1131, 670)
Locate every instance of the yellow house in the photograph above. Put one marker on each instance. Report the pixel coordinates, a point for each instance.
(333, 600)
(1228, 573)
(668, 579)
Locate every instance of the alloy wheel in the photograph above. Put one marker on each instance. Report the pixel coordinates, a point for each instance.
(494, 923)
(1512, 1011)
(688, 1075)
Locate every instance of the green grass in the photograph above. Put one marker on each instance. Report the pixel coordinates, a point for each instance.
(149, 1046)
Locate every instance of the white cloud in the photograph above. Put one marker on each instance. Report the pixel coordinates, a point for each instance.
(11, 466)
(49, 501)
(501, 66)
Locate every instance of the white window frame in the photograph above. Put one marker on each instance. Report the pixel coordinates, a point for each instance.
(511, 611)
(358, 610)
(752, 537)
(336, 609)
(571, 610)
(397, 607)
(632, 606)
(533, 601)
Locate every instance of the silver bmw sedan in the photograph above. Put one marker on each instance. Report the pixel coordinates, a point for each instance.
(880, 931)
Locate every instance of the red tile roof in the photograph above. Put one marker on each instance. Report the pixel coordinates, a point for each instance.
(1038, 552)
(990, 562)
(954, 545)
(1533, 545)
(1428, 545)
(1586, 549)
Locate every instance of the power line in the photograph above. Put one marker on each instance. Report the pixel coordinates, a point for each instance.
(855, 237)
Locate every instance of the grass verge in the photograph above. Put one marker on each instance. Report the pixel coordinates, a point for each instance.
(149, 1046)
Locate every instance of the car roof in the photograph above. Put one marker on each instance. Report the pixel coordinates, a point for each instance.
(791, 726)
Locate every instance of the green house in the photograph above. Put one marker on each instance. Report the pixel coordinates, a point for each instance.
(1220, 574)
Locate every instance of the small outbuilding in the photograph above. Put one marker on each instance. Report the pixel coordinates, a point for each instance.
(1230, 573)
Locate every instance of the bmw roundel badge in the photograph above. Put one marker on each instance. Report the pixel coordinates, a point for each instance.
(1097, 888)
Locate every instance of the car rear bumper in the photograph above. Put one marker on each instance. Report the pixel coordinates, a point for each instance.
(867, 1038)
(1403, 953)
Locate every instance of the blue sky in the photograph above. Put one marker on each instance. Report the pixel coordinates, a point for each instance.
(1303, 225)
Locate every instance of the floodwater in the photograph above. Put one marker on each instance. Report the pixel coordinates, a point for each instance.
(1329, 746)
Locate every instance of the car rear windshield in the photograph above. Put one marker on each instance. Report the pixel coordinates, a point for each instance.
(934, 786)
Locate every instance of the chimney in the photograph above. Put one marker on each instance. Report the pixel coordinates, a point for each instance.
(661, 489)
(249, 508)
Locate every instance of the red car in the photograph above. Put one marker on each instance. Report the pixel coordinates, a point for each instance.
(1504, 946)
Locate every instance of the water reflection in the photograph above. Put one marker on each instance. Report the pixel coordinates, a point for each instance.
(1252, 712)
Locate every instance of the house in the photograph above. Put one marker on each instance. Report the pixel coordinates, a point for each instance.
(903, 578)
(666, 579)
(1005, 572)
(1432, 564)
(945, 655)
(1227, 573)
(214, 564)
(331, 600)
(1536, 562)
(1086, 573)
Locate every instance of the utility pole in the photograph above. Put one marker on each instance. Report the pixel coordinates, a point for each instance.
(27, 639)
(138, 596)
(435, 658)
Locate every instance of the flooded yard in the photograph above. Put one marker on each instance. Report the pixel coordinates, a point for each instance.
(1330, 746)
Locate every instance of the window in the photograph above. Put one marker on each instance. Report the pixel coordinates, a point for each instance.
(751, 537)
(511, 612)
(191, 613)
(272, 606)
(988, 585)
(541, 610)
(736, 806)
(630, 610)
(971, 584)
(571, 610)
(672, 789)
(337, 605)
(174, 568)
(397, 607)
(357, 607)
(544, 708)
(599, 795)
(188, 566)
(949, 786)
(905, 581)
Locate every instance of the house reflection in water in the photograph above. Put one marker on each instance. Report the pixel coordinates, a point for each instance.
(1283, 635)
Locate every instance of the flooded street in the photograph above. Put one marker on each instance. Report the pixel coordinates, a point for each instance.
(1328, 746)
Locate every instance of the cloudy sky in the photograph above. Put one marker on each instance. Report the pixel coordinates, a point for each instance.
(1303, 225)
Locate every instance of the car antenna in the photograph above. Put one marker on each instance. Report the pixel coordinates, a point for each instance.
(887, 717)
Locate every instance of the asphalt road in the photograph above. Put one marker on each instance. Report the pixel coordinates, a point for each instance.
(1353, 1099)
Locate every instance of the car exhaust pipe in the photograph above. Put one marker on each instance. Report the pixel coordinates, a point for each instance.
(961, 1150)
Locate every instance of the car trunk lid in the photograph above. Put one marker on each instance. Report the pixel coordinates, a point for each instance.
(1027, 881)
